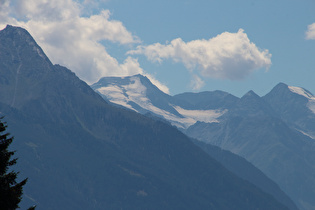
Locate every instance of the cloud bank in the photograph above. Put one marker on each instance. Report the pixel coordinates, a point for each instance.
(227, 56)
(310, 33)
(72, 38)
(196, 82)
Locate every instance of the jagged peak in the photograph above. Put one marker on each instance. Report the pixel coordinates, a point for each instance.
(281, 84)
(139, 75)
(22, 47)
(250, 94)
(16, 31)
(11, 28)
(282, 88)
(19, 35)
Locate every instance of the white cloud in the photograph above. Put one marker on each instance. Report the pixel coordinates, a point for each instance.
(196, 83)
(73, 40)
(157, 83)
(227, 56)
(4, 10)
(310, 33)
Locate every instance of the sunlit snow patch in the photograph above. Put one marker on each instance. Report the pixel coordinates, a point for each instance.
(308, 95)
(301, 92)
(115, 95)
(207, 116)
(135, 92)
(306, 134)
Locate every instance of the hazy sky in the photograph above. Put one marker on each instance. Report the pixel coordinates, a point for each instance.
(182, 45)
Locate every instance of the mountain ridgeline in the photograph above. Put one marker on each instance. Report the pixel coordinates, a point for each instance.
(80, 152)
(275, 133)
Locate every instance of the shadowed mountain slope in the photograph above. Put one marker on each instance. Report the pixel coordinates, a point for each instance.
(244, 169)
(136, 92)
(255, 131)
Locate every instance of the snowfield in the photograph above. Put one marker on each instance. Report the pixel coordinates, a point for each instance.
(135, 92)
(306, 94)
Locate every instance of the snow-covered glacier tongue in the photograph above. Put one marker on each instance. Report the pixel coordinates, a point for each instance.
(139, 94)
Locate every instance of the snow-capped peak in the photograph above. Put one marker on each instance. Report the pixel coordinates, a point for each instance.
(306, 94)
(301, 92)
(142, 96)
(123, 94)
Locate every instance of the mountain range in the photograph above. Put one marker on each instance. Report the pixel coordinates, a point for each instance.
(274, 132)
(81, 152)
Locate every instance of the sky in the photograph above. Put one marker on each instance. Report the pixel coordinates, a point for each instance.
(181, 45)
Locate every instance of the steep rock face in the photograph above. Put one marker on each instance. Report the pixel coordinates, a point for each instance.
(79, 152)
(23, 64)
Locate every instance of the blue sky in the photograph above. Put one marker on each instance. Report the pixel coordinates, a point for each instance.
(187, 45)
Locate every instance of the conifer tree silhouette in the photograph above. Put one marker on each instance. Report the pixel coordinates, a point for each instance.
(10, 190)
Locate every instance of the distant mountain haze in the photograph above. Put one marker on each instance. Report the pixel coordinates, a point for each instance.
(276, 133)
(81, 152)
